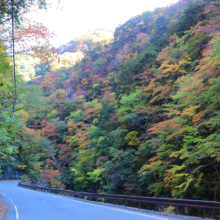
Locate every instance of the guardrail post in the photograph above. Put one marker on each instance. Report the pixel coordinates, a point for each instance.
(139, 205)
(114, 201)
(125, 203)
(176, 209)
(155, 208)
(203, 213)
(104, 200)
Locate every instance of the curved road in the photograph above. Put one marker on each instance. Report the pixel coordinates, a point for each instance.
(25, 204)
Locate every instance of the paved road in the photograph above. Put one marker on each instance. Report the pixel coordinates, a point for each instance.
(27, 204)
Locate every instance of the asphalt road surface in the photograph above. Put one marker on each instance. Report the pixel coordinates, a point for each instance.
(25, 204)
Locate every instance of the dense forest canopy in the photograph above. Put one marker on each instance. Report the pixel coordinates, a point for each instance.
(134, 111)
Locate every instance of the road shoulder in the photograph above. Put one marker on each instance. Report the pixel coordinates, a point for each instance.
(3, 208)
(7, 209)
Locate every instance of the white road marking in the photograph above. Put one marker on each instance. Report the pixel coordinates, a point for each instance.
(139, 214)
(17, 216)
(73, 200)
(16, 210)
(130, 212)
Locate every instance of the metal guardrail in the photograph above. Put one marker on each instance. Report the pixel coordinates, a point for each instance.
(197, 204)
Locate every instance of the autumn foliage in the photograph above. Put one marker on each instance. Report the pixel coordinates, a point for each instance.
(138, 114)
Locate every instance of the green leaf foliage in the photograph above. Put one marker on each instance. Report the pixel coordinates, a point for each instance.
(138, 114)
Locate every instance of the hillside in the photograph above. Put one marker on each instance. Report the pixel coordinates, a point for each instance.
(136, 112)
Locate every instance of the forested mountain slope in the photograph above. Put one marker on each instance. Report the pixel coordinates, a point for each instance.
(137, 113)
(32, 41)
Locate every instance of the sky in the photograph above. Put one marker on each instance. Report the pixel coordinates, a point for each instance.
(72, 18)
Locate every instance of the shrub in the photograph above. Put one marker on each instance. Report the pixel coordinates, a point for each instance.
(24, 178)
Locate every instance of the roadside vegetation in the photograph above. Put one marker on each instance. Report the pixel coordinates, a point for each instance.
(134, 111)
